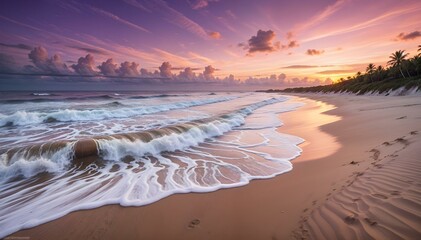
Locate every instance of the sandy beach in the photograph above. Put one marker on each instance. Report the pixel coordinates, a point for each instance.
(359, 177)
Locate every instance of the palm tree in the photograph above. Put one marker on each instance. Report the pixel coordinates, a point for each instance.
(370, 69)
(416, 62)
(419, 48)
(397, 58)
(379, 71)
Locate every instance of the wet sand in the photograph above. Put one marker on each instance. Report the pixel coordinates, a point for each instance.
(359, 177)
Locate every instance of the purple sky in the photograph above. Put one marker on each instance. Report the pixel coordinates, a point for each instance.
(205, 42)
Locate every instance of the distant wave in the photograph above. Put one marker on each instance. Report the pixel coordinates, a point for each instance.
(19, 101)
(156, 96)
(52, 98)
(68, 115)
(42, 94)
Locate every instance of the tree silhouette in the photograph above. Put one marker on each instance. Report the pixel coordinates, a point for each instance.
(396, 60)
(379, 72)
(370, 69)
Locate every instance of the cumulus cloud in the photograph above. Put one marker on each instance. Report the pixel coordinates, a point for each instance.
(208, 73)
(262, 42)
(128, 69)
(108, 68)
(408, 36)
(293, 44)
(85, 65)
(39, 56)
(313, 52)
(187, 74)
(215, 35)
(272, 80)
(165, 70)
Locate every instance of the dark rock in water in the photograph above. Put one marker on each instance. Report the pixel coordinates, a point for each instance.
(50, 120)
(212, 93)
(114, 104)
(8, 124)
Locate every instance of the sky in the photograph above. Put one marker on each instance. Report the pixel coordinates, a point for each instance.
(198, 44)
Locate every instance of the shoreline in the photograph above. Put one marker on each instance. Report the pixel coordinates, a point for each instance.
(274, 208)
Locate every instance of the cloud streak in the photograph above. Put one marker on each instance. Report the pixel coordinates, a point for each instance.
(408, 36)
(17, 46)
(366, 24)
(322, 16)
(119, 19)
(177, 18)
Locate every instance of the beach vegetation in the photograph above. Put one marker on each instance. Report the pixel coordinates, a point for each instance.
(399, 72)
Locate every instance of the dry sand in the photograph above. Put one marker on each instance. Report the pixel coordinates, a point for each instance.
(358, 178)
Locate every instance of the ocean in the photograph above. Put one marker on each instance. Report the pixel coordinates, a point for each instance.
(67, 151)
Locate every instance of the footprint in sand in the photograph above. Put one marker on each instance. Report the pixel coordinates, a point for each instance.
(380, 196)
(414, 133)
(350, 219)
(376, 154)
(395, 193)
(378, 165)
(402, 140)
(371, 222)
(194, 223)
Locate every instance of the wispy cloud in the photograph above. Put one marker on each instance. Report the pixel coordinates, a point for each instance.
(178, 60)
(89, 50)
(322, 16)
(196, 56)
(306, 66)
(366, 24)
(119, 19)
(198, 4)
(17, 46)
(179, 19)
(137, 5)
(408, 36)
(335, 71)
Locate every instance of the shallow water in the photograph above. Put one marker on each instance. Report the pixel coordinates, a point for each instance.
(145, 147)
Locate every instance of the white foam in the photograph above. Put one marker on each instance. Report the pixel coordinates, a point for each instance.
(28, 166)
